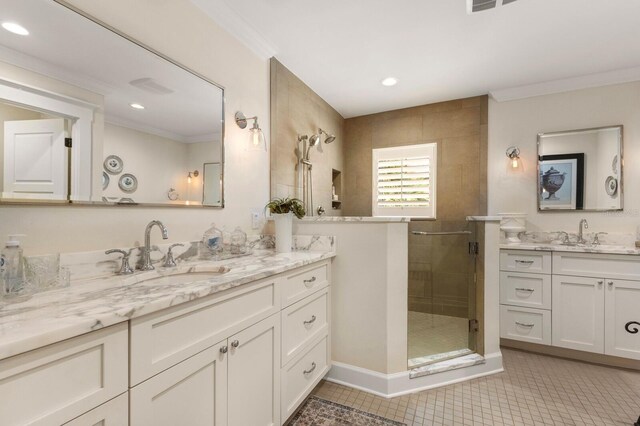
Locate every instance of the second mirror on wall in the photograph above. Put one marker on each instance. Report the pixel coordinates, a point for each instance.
(580, 170)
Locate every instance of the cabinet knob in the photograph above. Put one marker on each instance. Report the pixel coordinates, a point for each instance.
(235, 343)
(600, 282)
(610, 283)
(224, 349)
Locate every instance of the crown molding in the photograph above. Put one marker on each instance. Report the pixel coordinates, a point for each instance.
(589, 81)
(232, 22)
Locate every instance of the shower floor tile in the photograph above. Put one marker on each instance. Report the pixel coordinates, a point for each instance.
(431, 334)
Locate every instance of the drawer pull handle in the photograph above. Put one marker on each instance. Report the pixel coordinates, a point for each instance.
(525, 262)
(309, 371)
(522, 324)
(311, 321)
(235, 344)
(224, 349)
(530, 290)
(310, 281)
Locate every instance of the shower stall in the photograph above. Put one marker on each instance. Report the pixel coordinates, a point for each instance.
(442, 320)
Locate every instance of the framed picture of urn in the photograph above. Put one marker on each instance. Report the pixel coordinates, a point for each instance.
(562, 181)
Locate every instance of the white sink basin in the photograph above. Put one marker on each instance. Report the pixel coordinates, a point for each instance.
(177, 276)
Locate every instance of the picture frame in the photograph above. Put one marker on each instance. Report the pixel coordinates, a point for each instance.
(565, 190)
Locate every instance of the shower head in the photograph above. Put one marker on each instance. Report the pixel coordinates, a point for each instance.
(314, 140)
(329, 139)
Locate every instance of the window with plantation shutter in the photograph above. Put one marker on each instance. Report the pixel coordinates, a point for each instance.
(404, 181)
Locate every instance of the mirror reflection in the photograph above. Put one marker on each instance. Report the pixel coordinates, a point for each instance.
(580, 169)
(99, 118)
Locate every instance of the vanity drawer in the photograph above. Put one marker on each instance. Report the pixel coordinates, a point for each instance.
(614, 266)
(302, 375)
(299, 285)
(525, 324)
(536, 262)
(524, 289)
(302, 322)
(57, 383)
(111, 413)
(163, 339)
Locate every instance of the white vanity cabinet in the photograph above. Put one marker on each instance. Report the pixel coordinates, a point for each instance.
(243, 356)
(593, 303)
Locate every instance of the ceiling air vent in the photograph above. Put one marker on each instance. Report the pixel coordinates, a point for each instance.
(480, 5)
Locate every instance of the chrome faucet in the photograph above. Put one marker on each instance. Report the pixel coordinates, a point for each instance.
(583, 225)
(146, 251)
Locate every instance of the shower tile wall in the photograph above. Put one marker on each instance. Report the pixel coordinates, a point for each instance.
(437, 265)
(297, 110)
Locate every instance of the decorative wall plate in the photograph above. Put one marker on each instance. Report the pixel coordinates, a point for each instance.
(113, 164)
(611, 186)
(128, 183)
(105, 180)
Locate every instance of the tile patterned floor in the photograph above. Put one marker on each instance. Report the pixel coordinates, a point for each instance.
(533, 390)
(431, 334)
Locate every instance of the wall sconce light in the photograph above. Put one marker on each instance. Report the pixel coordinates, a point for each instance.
(191, 175)
(256, 136)
(513, 152)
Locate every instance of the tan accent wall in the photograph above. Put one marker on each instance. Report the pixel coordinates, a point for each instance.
(439, 267)
(298, 110)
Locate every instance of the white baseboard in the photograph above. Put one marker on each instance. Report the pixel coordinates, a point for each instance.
(397, 384)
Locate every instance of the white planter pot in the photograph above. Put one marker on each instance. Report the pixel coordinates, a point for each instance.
(284, 232)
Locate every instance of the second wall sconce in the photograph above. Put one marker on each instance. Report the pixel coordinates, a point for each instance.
(513, 152)
(191, 175)
(256, 136)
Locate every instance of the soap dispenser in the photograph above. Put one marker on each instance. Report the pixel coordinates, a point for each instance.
(11, 270)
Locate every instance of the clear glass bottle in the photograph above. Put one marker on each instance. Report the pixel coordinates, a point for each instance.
(238, 241)
(212, 240)
(11, 269)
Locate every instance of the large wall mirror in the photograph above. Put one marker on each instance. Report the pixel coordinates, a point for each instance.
(88, 115)
(580, 170)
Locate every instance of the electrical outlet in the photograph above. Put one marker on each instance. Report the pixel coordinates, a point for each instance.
(256, 221)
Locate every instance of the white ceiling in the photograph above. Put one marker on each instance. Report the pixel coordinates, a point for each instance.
(67, 46)
(343, 49)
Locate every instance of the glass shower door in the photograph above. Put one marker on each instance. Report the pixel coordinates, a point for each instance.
(442, 291)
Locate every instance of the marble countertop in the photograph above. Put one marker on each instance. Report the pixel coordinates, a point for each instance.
(53, 316)
(354, 219)
(599, 249)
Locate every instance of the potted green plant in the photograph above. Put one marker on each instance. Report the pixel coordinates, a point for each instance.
(283, 210)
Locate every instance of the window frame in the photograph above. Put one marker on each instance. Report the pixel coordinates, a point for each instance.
(400, 152)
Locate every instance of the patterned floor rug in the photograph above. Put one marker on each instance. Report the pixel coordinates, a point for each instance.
(319, 412)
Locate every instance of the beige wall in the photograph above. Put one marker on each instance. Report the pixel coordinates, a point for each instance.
(181, 31)
(297, 110)
(438, 266)
(518, 122)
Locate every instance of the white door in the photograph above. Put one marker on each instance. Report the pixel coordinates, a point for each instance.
(254, 375)
(622, 318)
(35, 159)
(577, 318)
(193, 392)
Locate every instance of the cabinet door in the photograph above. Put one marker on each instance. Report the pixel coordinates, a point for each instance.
(254, 375)
(622, 318)
(577, 318)
(193, 392)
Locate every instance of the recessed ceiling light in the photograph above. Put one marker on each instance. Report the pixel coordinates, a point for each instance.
(390, 81)
(15, 28)
(136, 106)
